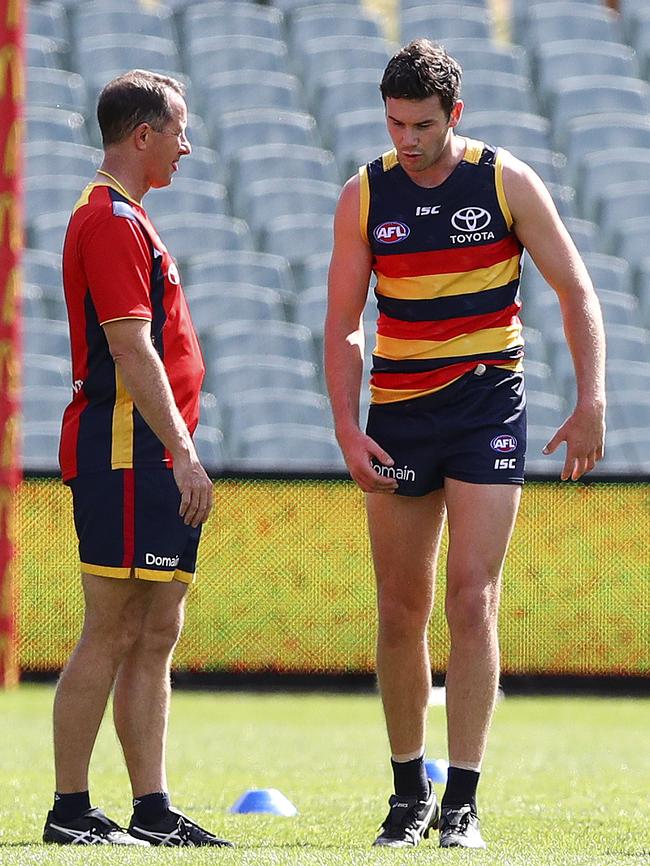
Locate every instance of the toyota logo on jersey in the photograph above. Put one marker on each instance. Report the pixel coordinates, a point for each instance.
(471, 219)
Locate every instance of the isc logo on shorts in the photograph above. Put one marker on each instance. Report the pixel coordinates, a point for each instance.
(391, 232)
(504, 444)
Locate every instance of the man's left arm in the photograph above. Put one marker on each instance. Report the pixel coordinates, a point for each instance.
(539, 228)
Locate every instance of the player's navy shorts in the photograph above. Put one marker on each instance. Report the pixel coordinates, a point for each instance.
(127, 523)
(473, 430)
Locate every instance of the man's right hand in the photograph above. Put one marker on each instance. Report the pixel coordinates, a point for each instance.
(358, 451)
(195, 488)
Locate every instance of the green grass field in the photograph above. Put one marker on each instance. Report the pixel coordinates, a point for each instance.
(565, 781)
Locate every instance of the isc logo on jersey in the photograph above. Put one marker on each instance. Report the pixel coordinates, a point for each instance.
(391, 232)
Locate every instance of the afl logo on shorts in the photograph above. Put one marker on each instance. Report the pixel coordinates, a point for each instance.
(391, 233)
(503, 444)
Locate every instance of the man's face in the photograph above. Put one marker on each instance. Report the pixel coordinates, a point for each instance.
(419, 130)
(169, 144)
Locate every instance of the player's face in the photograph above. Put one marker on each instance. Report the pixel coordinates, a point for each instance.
(170, 144)
(420, 130)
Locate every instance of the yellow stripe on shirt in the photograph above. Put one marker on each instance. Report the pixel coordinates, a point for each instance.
(446, 285)
(488, 340)
(122, 441)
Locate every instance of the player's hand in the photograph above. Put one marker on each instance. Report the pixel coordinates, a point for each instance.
(195, 488)
(358, 451)
(584, 434)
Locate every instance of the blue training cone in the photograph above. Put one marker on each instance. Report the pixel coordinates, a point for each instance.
(267, 800)
(437, 770)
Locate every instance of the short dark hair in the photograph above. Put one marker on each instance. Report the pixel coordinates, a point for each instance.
(136, 97)
(422, 69)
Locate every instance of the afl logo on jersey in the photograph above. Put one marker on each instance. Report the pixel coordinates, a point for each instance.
(503, 444)
(391, 232)
(172, 274)
(471, 219)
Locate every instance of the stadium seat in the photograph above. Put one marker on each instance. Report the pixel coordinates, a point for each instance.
(273, 406)
(310, 310)
(539, 377)
(282, 447)
(101, 57)
(297, 237)
(241, 266)
(235, 91)
(267, 200)
(46, 371)
(51, 193)
(238, 373)
(44, 51)
(624, 375)
(628, 343)
(32, 304)
(46, 337)
(547, 163)
(568, 20)
(608, 272)
(315, 269)
(620, 202)
(630, 445)
(507, 129)
(352, 131)
(567, 58)
(585, 234)
(61, 157)
(204, 164)
(42, 404)
(260, 338)
(593, 133)
(187, 196)
(55, 124)
(261, 126)
(211, 56)
(47, 19)
(215, 302)
(444, 20)
(605, 168)
(41, 268)
(331, 19)
(535, 345)
(487, 55)
(640, 39)
(193, 234)
(643, 289)
(595, 94)
(210, 410)
(56, 88)
(290, 6)
(40, 446)
(631, 406)
(47, 231)
(631, 240)
(544, 408)
(92, 18)
(344, 90)
(279, 161)
(230, 18)
(498, 91)
(320, 56)
(209, 444)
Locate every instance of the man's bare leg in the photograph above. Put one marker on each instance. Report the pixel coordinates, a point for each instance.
(405, 536)
(110, 627)
(142, 688)
(481, 519)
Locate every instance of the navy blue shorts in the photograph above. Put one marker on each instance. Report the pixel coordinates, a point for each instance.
(473, 430)
(127, 522)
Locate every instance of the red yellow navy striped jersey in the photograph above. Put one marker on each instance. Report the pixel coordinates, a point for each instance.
(116, 267)
(447, 265)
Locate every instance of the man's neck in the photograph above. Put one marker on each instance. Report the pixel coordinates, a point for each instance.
(126, 181)
(439, 171)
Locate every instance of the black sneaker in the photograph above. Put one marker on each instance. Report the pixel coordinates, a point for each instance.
(408, 821)
(175, 830)
(459, 828)
(90, 828)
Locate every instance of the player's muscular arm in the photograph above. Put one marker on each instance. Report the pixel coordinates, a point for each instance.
(539, 228)
(145, 379)
(349, 273)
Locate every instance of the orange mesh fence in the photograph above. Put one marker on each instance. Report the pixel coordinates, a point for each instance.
(285, 581)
